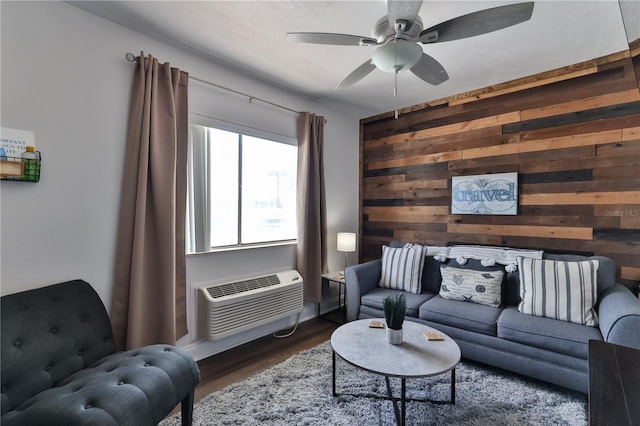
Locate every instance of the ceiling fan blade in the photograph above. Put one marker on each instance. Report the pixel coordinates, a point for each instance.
(430, 70)
(404, 10)
(356, 75)
(332, 38)
(477, 23)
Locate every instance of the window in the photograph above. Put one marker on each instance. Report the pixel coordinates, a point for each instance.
(242, 189)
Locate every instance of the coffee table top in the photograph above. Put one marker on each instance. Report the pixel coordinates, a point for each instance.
(367, 348)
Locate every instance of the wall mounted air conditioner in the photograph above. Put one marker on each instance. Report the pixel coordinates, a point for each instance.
(232, 307)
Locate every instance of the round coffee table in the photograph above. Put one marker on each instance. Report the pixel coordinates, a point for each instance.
(416, 357)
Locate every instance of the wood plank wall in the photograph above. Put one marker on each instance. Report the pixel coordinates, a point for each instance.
(573, 136)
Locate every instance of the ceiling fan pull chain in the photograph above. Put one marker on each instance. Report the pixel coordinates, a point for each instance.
(395, 74)
(395, 91)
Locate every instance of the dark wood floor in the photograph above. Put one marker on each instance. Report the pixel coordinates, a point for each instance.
(241, 362)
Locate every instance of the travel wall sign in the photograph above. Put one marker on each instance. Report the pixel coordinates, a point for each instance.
(485, 194)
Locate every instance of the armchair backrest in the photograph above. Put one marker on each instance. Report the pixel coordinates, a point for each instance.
(48, 334)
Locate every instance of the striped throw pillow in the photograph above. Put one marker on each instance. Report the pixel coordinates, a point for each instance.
(402, 267)
(561, 290)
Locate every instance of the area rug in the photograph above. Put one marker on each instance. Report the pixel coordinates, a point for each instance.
(298, 392)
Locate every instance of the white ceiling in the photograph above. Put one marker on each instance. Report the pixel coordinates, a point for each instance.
(249, 36)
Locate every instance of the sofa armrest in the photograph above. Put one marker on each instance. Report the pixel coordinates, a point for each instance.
(360, 279)
(619, 317)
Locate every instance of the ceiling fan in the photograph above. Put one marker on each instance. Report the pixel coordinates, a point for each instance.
(397, 36)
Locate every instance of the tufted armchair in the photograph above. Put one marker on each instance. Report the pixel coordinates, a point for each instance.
(60, 365)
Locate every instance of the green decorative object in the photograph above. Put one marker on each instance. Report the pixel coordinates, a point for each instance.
(395, 308)
(31, 160)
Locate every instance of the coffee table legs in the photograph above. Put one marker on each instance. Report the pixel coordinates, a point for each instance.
(453, 386)
(401, 414)
(403, 400)
(333, 390)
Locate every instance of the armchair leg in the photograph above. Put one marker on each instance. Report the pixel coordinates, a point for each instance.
(187, 409)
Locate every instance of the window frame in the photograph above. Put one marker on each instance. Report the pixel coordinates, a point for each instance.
(195, 244)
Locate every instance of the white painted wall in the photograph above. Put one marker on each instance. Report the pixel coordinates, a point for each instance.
(64, 77)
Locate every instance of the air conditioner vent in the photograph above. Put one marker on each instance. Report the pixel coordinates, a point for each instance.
(229, 308)
(242, 286)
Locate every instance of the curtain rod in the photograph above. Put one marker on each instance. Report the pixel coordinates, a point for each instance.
(132, 58)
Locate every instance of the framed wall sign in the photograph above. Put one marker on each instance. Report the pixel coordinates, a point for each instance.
(485, 194)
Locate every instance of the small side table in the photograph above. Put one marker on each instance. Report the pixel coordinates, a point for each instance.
(336, 278)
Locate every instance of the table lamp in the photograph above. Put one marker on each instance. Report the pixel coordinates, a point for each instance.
(346, 244)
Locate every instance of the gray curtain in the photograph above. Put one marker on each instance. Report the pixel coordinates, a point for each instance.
(311, 251)
(149, 289)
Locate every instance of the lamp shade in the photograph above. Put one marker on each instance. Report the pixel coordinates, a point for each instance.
(346, 241)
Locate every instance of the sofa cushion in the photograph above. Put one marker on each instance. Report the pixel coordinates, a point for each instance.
(606, 270)
(559, 290)
(477, 265)
(468, 316)
(137, 387)
(430, 271)
(374, 299)
(511, 288)
(546, 333)
(606, 276)
(467, 285)
(431, 276)
(402, 268)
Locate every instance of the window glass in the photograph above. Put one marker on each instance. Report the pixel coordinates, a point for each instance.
(268, 190)
(223, 184)
(242, 189)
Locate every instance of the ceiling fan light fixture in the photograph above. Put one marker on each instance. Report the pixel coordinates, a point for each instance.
(397, 55)
(399, 32)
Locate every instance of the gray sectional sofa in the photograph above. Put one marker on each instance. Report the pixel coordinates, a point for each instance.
(544, 348)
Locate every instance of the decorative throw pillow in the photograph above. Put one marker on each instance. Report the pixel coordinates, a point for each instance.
(402, 267)
(468, 285)
(560, 290)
